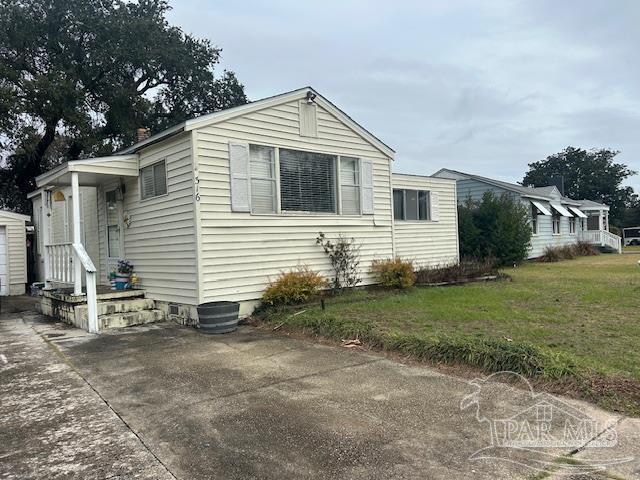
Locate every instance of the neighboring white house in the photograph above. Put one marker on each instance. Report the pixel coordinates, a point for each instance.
(215, 207)
(555, 219)
(13, 253)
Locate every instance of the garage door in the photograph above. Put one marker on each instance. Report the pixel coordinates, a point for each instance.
(4, 278)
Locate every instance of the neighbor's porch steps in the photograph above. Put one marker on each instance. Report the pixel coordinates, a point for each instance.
(115, 309)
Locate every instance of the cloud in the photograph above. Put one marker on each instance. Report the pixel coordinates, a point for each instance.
(486, 87)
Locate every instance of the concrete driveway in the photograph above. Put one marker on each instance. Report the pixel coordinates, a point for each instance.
(165, 401)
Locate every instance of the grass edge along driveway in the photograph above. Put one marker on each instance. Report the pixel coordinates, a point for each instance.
(572, 325)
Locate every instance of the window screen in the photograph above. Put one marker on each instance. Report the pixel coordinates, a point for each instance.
(153, 180)
(350, 185)
(307, 181)
(398, 204)
(263, 179)
(423, 205)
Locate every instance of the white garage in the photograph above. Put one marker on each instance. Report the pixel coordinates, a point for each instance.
(13, 253)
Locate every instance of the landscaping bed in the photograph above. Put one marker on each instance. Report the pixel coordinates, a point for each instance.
(570, 325)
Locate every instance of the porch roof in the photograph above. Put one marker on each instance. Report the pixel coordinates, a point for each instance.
(91, 171)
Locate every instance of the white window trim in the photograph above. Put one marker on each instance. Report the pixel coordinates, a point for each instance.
(301, 213)
(166, 179)
(559, 217)
(572, 221)
(359, 185)
(404, 208)
(275, 180)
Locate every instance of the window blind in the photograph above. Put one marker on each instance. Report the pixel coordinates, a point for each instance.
(307, 181)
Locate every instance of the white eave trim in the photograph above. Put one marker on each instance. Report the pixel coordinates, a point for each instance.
(561, 210)
(80, 166)
(577, 211)
(15, 216)
(541, 207)
(216, 117)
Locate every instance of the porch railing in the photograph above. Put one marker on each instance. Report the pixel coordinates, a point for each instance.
(92, 298)
(60, 258)
(602, 238)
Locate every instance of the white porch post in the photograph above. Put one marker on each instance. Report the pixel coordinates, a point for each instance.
(601, 220)
(75, 194)
(46, 236)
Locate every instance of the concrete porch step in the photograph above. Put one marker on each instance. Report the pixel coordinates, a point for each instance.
(127, 319)
(118, 306)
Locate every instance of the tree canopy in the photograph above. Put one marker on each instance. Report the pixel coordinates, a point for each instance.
(79, 77)
(587, 174)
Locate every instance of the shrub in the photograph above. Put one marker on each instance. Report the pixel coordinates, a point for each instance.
(467, 268)
(496, 227)
(344, 255)
(393, 273)
(585, 249)
(295, 286)
(567, 252)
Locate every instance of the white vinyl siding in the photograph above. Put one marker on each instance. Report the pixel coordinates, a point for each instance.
(240, 252)
(427, 242)
(160, 240)
(13, 254)
(153, 180)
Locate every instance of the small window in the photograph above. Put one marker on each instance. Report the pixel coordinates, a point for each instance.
(411, 205)
(153, 180)
(350, 185)
(572, 225)
(556, 224)
(263, 179)
(534, 220)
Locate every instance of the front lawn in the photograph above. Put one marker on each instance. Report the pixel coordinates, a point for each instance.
(581, 317)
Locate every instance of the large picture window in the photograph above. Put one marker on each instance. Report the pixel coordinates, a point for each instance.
(411, 204)
(307, 181)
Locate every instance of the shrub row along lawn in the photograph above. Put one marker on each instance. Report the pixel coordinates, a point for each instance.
(577, 320)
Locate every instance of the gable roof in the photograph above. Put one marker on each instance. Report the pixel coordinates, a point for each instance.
(542, 193)
(222, 115)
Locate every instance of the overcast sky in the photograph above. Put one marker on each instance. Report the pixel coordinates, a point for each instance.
(480, 86)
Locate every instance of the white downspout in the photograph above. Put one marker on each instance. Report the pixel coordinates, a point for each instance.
(75, 194)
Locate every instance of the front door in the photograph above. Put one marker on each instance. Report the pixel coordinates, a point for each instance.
(115, 243)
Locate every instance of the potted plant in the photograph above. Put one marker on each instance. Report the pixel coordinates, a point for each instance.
(123, 274)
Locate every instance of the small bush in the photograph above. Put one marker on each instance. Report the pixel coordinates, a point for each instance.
(585, 249)
(567, 252)
(295, 286)
(466, 269)
(394, 273)
(344, 255)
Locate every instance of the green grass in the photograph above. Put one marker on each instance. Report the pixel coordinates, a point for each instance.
(632, 248)
(575, 317)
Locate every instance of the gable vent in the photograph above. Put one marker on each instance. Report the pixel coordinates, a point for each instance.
(308, 119)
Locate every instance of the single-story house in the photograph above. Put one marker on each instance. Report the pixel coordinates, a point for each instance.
(555, 219)
(13, 253)
(217, 206)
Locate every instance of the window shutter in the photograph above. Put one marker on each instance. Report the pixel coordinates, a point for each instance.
(239, 169)
(366, 176)
(435, 207)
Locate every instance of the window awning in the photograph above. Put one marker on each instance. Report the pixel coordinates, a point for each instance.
(541, 207)
(578, 212)
(561, 210)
